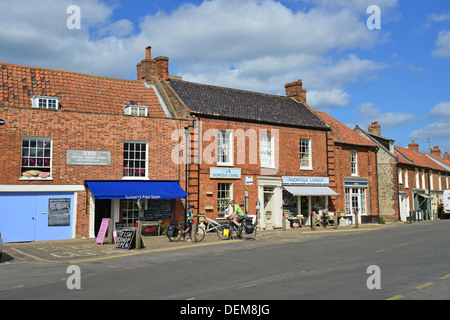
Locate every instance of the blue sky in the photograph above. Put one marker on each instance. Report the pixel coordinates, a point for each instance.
(397, 75)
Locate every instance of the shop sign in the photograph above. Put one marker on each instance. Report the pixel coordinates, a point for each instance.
(224, 173)
(88, 158)
(249, 181)
(306, 180)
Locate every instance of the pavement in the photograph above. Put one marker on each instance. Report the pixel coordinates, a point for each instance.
(83, 250)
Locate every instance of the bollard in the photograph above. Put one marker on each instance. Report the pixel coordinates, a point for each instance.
(284, 221)
(410, 217)
(194, 230)
(336, 222)
(356, 219)
(313, 221)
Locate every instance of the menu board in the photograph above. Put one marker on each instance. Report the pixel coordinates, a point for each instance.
(58, 212)
(126, 239)
(158, 209)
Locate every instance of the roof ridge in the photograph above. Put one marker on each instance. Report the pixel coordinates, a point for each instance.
(232, 89)
(63, 71)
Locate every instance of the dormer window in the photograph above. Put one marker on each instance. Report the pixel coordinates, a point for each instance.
(43, 102)
(135, 110)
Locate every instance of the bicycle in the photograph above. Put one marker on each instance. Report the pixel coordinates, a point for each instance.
(176, 231)
(246, 230)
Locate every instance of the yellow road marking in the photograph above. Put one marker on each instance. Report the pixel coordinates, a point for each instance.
(425, 285)
(445, 277)
(151, 251)
(395, 297)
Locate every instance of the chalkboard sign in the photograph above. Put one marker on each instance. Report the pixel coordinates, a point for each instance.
(58, 212)
(127, 239)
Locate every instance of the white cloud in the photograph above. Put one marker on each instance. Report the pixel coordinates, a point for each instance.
(436, 130)
(369, 113)
(441, 109)
(255, 45)
(443, 44)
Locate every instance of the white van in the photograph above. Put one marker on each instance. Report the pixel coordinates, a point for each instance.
(1, 246)
(447, 201)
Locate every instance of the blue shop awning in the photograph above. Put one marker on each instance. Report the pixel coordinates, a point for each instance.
(135, 190)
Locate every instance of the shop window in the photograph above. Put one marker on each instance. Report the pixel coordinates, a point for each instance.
(305, 154)
(224, 195)
(43, 102)
(36, 158)
(136, 110)
(131, 210)
(355, 200)
(224, 147)
(266, 150)
(135, 159)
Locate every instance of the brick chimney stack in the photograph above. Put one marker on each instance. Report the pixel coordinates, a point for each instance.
(414, 146)
(446, 156)
(375, 128)
(436, 152)
(149, 68)
(295, 91)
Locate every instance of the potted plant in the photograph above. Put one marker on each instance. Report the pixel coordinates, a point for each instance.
(268, 215)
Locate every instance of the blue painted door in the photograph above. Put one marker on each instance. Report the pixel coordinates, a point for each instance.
(24, 217)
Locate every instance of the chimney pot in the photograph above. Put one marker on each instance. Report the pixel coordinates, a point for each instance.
(436, 152)
(148, 52)
(375, 128)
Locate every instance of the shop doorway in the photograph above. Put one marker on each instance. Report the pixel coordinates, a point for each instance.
(102, 211)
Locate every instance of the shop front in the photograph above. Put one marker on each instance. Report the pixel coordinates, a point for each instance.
(303, 195)
(126, 202)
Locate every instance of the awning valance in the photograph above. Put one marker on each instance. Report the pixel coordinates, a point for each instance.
(310, 191)
(135, 190)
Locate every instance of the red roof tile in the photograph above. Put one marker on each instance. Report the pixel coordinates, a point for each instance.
(77, 92)
(343, 134)
(417, 158)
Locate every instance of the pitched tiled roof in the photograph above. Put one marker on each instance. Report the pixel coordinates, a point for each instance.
(343, 134)
(417, 159)
(78, 92)
(242, 105)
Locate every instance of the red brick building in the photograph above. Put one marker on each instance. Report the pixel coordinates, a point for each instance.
(62, 129)
(353, 165)
(290, 159)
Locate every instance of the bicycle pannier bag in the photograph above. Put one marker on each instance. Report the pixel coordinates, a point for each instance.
(226, 232)
(172, 231)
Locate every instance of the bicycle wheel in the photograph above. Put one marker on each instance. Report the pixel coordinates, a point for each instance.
(175, 235)
(224, 232)
(200, 234)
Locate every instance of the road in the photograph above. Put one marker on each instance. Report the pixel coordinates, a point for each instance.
(413, 263)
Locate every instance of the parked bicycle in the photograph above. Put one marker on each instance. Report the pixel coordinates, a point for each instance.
(246, 230)
(176, 231)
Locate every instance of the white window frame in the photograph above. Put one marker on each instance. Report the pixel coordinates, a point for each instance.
(423, 179)
(354, 162)
(417, 179)
(127, 166)
(225, 200)
(45, 102)
(440, 181)
(132, 207)
(406, 179)
(225, 150)
(135, 110)
(308, 155)
(39, 154)
(400, 173)
(266, 150)
(361, 198)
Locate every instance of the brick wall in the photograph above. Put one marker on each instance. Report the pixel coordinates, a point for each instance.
(86, 131)
(289, 161)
